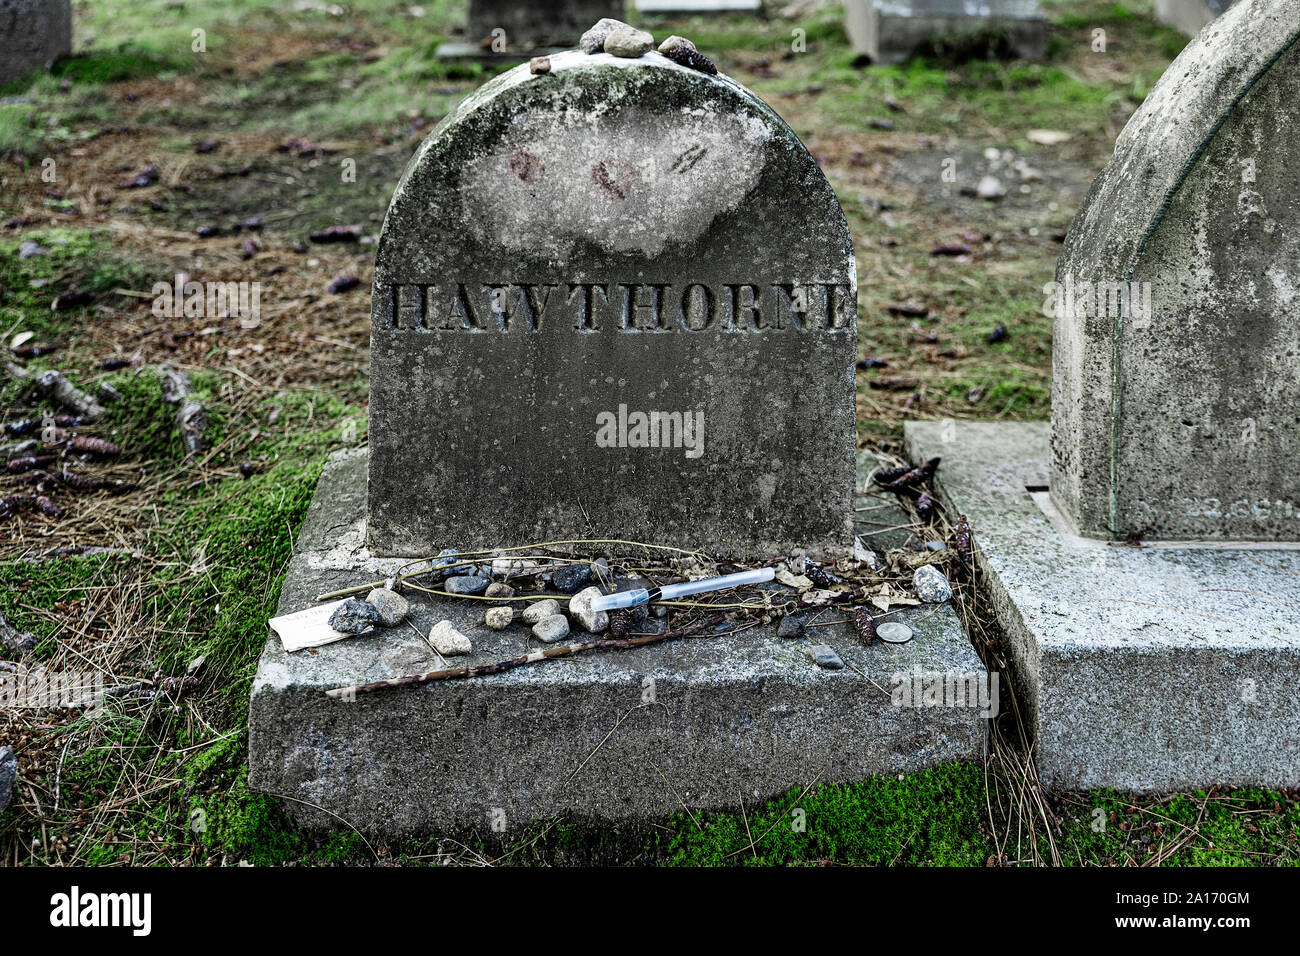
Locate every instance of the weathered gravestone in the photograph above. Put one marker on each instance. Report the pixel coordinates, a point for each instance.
(1176, 424)
(1190, 16)
(33, 34)
(658, 239)
(891, 31)
(615, 300)
(1176, 398)
(500, 27)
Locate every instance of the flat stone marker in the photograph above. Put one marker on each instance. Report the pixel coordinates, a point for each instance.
(891, 31)
(33, 34)
(502, 28)
(741, 713)
(1190, 16)
(1176, 402)
(615, 300)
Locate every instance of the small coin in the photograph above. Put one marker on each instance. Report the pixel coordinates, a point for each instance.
(891, 632)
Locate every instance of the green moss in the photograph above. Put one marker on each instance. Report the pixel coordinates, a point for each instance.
(113, 67)
(935, 817)
(1239, 828)
(79, 258)
(249, 826)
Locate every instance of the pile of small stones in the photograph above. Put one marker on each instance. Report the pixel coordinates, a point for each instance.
(622, 40)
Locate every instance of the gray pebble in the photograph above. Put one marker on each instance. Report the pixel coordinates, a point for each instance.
(571, 577)
(353, 616)
(392, 607)
(931, 585)
(629, 43)
(551, 629)
(448, 641)
(466, 584)
(824, 656)
(539, 64)
(675, 42)
(499, 618)
(498, 590)
(535, 612)
(30, 250)
(444, 565)
(8, 776)
(790, 627)
(580, 610)
(990, 187)
(593, 41)
(22, 642)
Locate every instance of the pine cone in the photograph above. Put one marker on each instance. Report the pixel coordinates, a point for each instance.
(866, 627)
(693, 59)
(620, 622)
(818, 576)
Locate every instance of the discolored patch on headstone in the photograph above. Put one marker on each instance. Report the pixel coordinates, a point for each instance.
(614, 300)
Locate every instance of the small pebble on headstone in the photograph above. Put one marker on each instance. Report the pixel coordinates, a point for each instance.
(391, 606)
(539, 64)
(535, 612)
(448, 641)
(551, 629)
(580, 610)
(931, 585)
(675, 42)
(593, 41)
(824, 656)
(353, 616)
(466, 584)
(629, 43)
(571, 577)
(499, 618)
(790, 627)
(499, 590)
(444, 564)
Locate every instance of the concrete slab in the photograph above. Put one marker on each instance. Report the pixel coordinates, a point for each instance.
(746, 714)
(1146, 668)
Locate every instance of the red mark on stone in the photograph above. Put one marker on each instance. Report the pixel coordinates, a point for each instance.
(526, 166)
(615, 177)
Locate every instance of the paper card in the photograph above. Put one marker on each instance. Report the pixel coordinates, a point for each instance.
(308, 628)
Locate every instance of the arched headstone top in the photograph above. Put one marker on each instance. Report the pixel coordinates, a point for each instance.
(625, 157)
(1176, 395)
(573, 254)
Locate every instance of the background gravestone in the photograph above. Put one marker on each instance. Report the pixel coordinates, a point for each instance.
(613, 233)
(542, 25)
(1183, 421)
(891, 31)
(1190, 16)
(33, 34)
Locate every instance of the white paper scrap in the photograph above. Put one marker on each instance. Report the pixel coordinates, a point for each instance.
(309, 628)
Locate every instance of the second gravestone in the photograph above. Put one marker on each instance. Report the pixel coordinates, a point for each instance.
(613, 300)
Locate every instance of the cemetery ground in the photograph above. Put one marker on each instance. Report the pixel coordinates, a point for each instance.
(222, 165)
